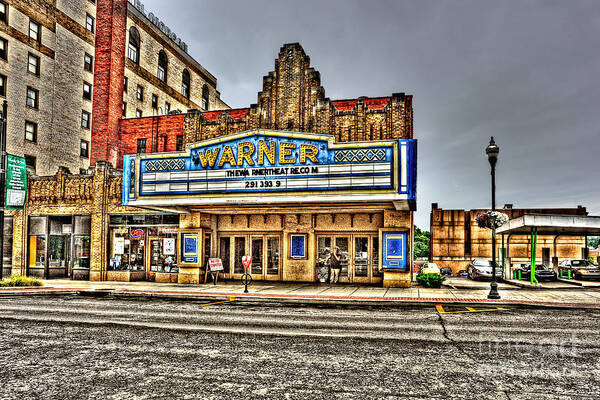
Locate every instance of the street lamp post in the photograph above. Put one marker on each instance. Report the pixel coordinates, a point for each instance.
(492, 151)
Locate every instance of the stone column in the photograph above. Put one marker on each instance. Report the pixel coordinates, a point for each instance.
(100, 236)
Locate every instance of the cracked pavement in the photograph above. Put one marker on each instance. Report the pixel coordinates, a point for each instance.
(76, 347)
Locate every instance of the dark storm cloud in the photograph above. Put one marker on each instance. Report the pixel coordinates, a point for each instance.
(525, 72)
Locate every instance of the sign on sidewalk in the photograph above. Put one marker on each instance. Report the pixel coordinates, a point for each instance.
(16, 182)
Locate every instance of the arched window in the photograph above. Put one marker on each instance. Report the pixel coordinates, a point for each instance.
(204, 104)
(162, 66)
(133, 51)
(185, 84)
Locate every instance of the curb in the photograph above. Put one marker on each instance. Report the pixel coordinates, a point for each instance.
(262, 299)
(580, 284)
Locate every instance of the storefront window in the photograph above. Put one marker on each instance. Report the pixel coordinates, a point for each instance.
(144, 242)
(37, 251)
(127, 250)
(81, 252)
(163, 247)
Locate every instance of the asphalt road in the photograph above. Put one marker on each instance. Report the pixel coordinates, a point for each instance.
(76, 347)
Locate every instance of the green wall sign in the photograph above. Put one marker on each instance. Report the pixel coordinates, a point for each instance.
(16, 182)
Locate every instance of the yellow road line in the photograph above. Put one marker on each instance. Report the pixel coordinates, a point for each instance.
(441, 310)
(232, 298)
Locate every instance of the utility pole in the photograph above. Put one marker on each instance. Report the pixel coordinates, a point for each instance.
(2, 184)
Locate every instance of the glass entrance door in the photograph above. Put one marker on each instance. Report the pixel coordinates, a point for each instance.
(264, 249)
(326, 245)
(359, 258)
(59, 256)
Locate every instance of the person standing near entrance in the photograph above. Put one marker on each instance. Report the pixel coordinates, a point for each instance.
(335, 265)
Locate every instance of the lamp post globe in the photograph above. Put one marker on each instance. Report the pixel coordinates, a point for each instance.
(492, 151)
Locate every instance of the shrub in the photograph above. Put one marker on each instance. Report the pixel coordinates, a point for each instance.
(430, 280)
(20, 280)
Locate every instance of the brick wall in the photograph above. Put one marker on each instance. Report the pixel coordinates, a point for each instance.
(108, 79)
(167, 126)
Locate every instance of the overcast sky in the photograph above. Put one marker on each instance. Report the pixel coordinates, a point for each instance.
(525, 72)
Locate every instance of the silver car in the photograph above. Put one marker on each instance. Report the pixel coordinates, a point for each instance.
(579, 268)
(482, 269)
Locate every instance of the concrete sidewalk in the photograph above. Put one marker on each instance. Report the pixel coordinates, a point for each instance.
(316, 294)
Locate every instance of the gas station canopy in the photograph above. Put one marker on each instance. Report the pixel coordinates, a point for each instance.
(563, 225)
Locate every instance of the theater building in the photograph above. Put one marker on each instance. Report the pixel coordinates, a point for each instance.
(285, 180)
(456, 239)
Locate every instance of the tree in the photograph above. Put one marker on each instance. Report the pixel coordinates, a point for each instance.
(421, 243)
(593, 241)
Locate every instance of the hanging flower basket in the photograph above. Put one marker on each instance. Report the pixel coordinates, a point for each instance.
(491, 219)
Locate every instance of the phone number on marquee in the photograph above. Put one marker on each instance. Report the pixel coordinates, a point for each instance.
(262, 184)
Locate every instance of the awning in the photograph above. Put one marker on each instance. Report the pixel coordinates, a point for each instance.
(563, 225)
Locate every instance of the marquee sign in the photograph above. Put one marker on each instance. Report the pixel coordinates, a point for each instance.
(285, 166)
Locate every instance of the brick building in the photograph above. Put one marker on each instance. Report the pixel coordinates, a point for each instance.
(456, 239)
(53, 55)
(288, 180)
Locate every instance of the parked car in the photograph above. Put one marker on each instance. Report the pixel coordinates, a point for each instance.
(482, 269)
(462, 273)
(430, 268)
(446, 271)
(580, 269)
(542, 272)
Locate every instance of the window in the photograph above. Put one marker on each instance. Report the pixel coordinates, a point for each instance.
(89, 23)
(84, 148)
(140, 93)
(185, 84)
(32, 98)
(88, 63)
(87, 91)
(179, 143)
(3, 12)
(133, 50)
(31, 131)
(125, 82)
(3, 49)
(124, 109)
(167, 107)
(138, 113)
(154, 101)
(162, 66)
(35, 31)
(141, 146)
(205, 93)
(85, 119)
(2, 85)
(30, 162)
(33, 64)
